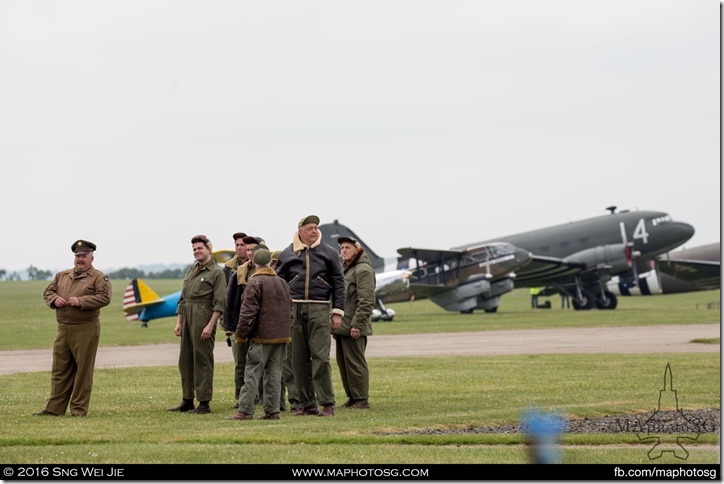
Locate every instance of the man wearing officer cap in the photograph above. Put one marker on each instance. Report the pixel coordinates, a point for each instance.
(76, 295)
(312, 269)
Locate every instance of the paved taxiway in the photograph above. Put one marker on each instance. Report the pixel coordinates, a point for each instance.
(626, 339)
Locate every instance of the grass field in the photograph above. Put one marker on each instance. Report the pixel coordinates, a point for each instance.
(423, 409)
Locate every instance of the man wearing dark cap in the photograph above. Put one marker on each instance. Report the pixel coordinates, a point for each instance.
(228, 323)
(234, 294)
(231, 265)
(77, 295)
(312, 269)
(201, 304)
(351, 336)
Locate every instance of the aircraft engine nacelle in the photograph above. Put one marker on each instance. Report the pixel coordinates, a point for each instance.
(613, 255)
(462, 298)
(646, 284)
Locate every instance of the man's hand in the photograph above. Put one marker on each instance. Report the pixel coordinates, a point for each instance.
(336, 321)
(354, 333)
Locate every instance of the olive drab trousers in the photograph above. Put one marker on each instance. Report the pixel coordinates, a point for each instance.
(263, 362)
(74, 358)
(196, 360)
(311, 345)
(352, 365)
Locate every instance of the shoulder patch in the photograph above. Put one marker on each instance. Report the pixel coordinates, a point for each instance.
(105, 279)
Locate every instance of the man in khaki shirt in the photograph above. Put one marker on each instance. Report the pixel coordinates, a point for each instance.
(77, 296)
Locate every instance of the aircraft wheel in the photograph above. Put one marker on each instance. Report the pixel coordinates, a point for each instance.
(585, 302)
(467, 311)
(608, 301)
(492, 310)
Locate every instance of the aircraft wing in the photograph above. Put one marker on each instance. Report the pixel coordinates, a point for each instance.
(222, 256)
(429, 255)
(701, 273)
(541, 270)
(136, 308)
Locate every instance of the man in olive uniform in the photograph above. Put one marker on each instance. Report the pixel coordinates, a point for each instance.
(313, 271)
(77, 295)
(202, 302)
(351, 337)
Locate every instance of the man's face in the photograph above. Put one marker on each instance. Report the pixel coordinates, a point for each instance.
(84, 261)
(201, 252)
(348, 251)
(309, 233)
(240, 248)
(249, 250)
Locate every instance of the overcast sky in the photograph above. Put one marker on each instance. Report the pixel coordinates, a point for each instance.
(137, 124)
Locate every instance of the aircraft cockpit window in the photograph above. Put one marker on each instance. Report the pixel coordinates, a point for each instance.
(659, 220)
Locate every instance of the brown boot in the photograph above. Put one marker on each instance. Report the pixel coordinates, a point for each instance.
(240, 416)
(350, 401)
(270, 416)
(310, 410)
(327, 411)
(361, 404)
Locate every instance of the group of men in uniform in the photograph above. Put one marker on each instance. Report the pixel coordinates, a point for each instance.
(295, 355)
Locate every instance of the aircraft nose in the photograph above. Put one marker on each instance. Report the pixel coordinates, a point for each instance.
(684, 231)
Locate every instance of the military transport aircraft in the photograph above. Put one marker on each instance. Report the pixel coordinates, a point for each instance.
(579, 258)
(456, 280)
(685, 270)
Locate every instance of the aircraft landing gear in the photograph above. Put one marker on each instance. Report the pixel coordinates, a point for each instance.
(607, 301)
(585, 301)
(467, 311)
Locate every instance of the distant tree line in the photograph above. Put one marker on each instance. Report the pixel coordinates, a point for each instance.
(131, 273)
(35, 274)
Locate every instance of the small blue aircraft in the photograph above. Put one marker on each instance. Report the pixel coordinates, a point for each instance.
(141, 303)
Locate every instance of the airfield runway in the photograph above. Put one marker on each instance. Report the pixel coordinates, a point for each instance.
(626, 339)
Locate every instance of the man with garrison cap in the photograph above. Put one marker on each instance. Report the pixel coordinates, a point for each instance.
(313, 271)
(77, 296)
(234, 294)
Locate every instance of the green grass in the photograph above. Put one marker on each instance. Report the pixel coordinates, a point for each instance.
(414, 400)
(26, 322)
(128, 422)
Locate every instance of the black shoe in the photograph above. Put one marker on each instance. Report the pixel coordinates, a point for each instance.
(202, 408)
(185, 406)
(44, 413)
(350, 401)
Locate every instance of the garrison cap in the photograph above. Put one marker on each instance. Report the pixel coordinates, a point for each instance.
(350, 240)
(309, 219)
(275, 254)
(261, 255)
(239, 235)
(248, 239)
(81, 247)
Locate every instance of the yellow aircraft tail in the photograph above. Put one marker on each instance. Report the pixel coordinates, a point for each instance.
(136, 296)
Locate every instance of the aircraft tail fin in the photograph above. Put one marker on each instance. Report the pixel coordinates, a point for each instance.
(331, 232)
(136, 296)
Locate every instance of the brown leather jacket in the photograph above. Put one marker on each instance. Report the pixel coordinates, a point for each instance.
(266, 309)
